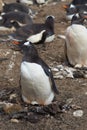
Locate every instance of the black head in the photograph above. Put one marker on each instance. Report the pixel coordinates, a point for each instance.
(71, 11)
(30, 52)
(77, 19)
(50, 21)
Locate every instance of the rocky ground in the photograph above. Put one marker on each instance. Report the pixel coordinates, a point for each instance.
(63, 115)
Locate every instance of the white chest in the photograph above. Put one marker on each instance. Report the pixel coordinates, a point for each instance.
(76, 42)
(35, 84)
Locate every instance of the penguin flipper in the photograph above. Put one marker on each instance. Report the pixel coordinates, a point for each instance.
(48, 72)
(66, 56)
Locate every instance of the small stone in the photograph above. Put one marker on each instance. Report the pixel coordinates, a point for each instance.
(78, 113)
(60, 67)
(15, 120)
(54, 69)
(54, 3)
(58, 77)
(85, 76)
(63, 0)
(85, 93)
(70, 76)
(13, 96)
(75, 107)
(68, 101)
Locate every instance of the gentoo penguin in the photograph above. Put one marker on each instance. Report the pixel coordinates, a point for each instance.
(37, 83)
(75, 7)
(74, 3)
(7, 20)
(17, 7)
(30, 32)
(39, 38)
(77, 2)
(70, 12)
(8, 26)
(76, 43)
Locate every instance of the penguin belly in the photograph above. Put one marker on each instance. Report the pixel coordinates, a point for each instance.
(35, 84)
(76, 44)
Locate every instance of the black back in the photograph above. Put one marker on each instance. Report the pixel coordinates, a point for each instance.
(15, 6)
(17, 17)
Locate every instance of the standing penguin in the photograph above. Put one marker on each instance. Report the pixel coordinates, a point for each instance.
(76, 43)
(37, 83)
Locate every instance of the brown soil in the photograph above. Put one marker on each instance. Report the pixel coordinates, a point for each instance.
(75, 89)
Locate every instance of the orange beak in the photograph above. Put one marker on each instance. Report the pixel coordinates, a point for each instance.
(65, 6)
(15, 42)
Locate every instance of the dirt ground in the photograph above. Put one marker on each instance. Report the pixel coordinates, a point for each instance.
(69, 89)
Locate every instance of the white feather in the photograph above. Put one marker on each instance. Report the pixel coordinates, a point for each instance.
(1, 18)
(35, 84)
(72, 6)
(40, 1)
(50, 38)
(36, 38)
(69, 17)
(3, 4)
(2, 28)
(3, 13)
(62, 36)
(76, 41)
(29, 2)
(27, 43)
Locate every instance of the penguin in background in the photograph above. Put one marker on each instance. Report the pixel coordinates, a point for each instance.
(37, 83)
(76, 6)
(76, 43)
(14, 19)
(8, 7)
(34, 33)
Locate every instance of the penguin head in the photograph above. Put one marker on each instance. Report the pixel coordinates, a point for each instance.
(68, 6)
(50, 21)
(29, 51)
(50, 18)
(71, 11)
(28, 47)
(77, 19)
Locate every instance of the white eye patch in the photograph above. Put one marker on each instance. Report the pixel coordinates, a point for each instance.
(85, 12)
(27, 43)
(50, 16)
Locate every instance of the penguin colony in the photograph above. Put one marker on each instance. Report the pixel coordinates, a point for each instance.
(36, 78)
